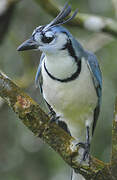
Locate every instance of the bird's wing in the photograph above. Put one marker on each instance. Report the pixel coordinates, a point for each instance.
(97, 80)
(38, 78)
(92, 64)
(95, 73)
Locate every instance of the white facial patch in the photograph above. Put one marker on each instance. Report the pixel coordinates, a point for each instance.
(36, 29)
(61, 41)
(37, 36)
(57, 44)
(49, 34)
(36, 33)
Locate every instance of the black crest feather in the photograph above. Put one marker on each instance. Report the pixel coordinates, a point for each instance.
(60, 19)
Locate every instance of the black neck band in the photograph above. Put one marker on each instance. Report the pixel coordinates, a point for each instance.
(72, 77)
(71, 52)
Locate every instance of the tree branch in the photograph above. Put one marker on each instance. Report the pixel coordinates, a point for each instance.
(38, 122)
(86, 21)
(35, 119)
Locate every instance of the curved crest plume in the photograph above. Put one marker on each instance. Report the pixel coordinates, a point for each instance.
(59, 20)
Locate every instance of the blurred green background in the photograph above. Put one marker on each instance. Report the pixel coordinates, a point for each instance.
(23, 156)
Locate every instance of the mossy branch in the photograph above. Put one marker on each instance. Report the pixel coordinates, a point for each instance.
(86, 21)
(37, 121)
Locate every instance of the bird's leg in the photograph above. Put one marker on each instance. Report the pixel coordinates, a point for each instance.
(52, 115)
(86, 145)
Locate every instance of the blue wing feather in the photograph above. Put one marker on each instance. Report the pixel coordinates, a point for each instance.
(38, 83)
(96, 74)
(97, 80)
(92, 64)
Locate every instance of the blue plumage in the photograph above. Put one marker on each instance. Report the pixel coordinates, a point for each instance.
(38, 74)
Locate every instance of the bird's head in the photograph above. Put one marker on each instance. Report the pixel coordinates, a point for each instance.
(51, 37)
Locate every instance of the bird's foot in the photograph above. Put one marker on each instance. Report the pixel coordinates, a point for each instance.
(86, 147)
(54, 119)
(52, 115)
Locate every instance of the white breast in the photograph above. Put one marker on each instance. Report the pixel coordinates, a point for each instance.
(75, 101)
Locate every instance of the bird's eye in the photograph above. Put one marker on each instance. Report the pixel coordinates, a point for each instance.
(47, 39)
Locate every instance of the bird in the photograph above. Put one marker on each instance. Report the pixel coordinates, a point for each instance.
(69, 78)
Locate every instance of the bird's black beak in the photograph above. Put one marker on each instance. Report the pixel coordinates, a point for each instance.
(27, 45)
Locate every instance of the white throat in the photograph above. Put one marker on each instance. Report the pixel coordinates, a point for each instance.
(60, 65)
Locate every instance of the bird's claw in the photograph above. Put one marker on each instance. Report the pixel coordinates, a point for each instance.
(86, 147)
(52, 114)
(54, 119)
